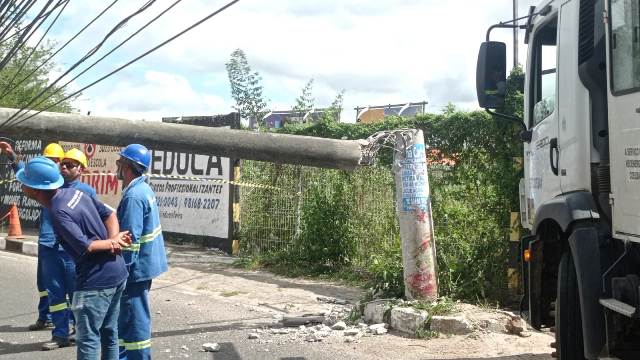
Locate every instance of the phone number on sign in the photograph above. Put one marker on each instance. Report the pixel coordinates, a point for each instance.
(198, 203)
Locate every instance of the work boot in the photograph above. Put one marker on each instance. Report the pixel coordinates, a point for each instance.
(41, 325)
(56, 343)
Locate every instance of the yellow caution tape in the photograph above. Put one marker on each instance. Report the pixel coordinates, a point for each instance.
(178, 177)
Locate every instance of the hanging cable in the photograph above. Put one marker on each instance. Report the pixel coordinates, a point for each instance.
(11, 11)
(59, 89)
(5, 9)
(84, 58)
(35, 47)
(19, 13)
(18, 31)
(228, 5)
(24, 37)
(59, 49)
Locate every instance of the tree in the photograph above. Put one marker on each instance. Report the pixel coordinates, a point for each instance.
(333, 112)
(25, 76)
(305, 102)
(246, 88)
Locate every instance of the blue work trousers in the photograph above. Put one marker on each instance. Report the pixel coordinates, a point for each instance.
(134, 325)
(43, 303)
(96, 313)
(60, 283)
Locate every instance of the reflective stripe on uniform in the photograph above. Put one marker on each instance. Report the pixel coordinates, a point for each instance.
(138, 345)
(54, 308)
(43, 293)
(145, 239)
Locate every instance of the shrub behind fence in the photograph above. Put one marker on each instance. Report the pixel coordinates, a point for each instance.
(332, 217)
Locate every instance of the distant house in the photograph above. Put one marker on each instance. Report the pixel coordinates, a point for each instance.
(278, 118)
(374, 114)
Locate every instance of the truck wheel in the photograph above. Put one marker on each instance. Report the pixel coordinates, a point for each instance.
(569, 345)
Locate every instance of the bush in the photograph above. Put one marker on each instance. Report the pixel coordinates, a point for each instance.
(472, 199)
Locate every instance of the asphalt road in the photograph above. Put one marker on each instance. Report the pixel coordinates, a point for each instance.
(183, 321)
(187, 314)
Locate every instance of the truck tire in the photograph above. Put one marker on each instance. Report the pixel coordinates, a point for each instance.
(569, 342)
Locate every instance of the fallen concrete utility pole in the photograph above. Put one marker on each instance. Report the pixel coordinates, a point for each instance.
(276, 148)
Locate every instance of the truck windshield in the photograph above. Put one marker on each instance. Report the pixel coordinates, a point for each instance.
(625, 46)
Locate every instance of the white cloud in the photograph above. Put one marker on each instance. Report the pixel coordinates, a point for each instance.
(158, 94)
(378, 51)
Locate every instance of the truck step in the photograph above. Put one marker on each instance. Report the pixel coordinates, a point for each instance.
(620, 307)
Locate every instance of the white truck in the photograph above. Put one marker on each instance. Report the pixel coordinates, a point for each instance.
(580, 196)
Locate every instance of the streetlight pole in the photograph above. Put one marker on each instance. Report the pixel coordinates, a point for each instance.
(515, 35)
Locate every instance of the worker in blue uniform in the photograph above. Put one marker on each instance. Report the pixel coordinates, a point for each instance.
(89, 232)
(146, 259)
(59, 265)
(46, 236)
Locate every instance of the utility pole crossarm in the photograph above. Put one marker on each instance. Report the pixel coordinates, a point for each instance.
(277, 148)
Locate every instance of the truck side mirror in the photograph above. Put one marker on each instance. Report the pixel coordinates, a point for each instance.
(491, 74)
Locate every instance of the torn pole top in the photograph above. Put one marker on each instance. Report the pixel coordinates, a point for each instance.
(276, 148)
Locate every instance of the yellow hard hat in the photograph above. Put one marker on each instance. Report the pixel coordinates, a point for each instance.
(77, 155)
(53, 150)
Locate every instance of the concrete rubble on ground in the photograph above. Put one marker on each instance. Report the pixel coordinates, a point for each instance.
(337, 322)
(211, 347)
(454, 325)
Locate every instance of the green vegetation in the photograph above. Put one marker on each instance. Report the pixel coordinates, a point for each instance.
(24, 77)
(344, 223)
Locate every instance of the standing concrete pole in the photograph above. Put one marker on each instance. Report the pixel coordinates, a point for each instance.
(414, 213)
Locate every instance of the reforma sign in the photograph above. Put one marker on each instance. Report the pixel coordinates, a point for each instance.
(11, 191)
(196, 206)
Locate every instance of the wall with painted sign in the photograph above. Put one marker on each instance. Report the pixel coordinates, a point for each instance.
(187, 206)
(11, 192)
(191, 206)
(101, 172)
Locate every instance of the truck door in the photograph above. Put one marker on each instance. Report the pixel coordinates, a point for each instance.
(542, 153)
(574, 133)
(624, 115)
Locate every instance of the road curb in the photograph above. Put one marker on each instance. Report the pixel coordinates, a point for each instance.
(25, 247)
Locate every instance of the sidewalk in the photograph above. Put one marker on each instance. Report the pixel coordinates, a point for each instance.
(176, 254)
(27, 244)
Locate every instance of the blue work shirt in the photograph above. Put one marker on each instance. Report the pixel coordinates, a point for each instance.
(47, 236)
(138, 213)
(77, 184)
(78, 220)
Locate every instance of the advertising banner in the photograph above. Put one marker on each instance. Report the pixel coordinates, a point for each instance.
(187, 206)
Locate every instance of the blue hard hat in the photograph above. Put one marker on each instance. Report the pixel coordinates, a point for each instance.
(40, 173)
(138, 154)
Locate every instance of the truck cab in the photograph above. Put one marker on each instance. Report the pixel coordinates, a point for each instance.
(580, 196)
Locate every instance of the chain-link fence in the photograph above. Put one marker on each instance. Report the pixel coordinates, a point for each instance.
(319, 210)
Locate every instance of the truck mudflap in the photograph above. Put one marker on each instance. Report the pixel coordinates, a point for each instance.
(586, 255)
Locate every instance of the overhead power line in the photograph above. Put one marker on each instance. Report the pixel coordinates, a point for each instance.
(17, 15)
(28, 76)
(189, 28)
(59, 89)
(24, 37)
(83, 59)
(35, 47)
(19, 31)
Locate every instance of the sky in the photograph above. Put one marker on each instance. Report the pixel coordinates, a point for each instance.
(378, 51)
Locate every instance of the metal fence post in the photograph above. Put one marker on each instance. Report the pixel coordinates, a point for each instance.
(414, 214)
